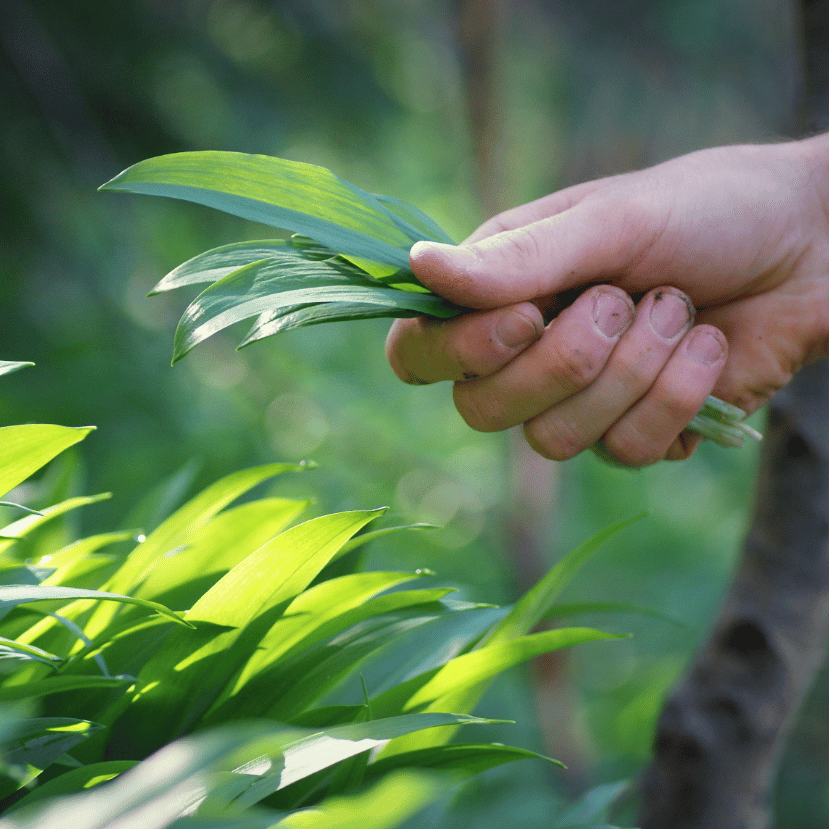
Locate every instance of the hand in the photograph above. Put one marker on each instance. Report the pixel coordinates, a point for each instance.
(739, 233)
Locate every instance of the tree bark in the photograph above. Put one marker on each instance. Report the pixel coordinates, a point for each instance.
(723, 728)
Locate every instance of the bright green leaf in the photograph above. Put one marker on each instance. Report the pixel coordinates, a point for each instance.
(25, 449)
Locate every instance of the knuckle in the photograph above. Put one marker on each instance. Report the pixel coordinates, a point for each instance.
(554, 438)
(524, 243)
(630, 448)
(572, 367)
(633, 374)
(479, 408)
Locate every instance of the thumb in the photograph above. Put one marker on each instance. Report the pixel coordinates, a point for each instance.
(567, 250)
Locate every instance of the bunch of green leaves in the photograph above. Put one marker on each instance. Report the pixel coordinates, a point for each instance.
(222, 673)
(348, 259)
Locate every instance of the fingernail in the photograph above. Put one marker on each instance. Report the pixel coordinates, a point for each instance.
(669, 315)
(705, 348)
(611, 314)
(515, 330)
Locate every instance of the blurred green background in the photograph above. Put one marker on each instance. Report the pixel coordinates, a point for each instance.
(462, 108)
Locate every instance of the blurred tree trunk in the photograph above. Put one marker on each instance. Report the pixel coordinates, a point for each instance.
(723, 728)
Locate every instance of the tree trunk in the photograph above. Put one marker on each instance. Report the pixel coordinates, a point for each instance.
(724, 726)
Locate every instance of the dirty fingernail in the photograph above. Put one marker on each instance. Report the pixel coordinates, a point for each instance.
(514, 329)
(611, 314)
(669, 315)
(705, 348)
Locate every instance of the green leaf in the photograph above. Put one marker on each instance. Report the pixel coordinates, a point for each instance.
(180, 578)
(25, 449)
(71, 782)
(421, 225)
(290, 657)
(315, 313)
(38, 743)
(315, 752)
(317, 613)
(13, 595)
(464, 760)
(11, 650)
(215, 264)
(180, 682)
(385, 806)
(7, 367)
(288, 280)
(470, 669)
(291, 195)
(59, 684)
(177, 530)
(536, 603)
(24, 526)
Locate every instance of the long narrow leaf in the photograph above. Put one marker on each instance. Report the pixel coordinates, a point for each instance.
(284, 282)
(58, 684)
(315, 313)
(13, 595)
(25, 449)
(532, 607)
(215, 264)
(291, 195)
(7, 367)
(465, 760)
(470, 669)
(38, 744)
(183, 679)
(323, 750)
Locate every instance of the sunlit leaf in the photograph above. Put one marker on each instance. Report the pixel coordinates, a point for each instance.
(465, 760)
(7, 367)
(58, 684)
(387, 805)
(25, 449)
(180, 682)
(298, 197)
(310, 754)
(72, 781)
(532, 607)
(11, 651)
(12, 595)
(469, 669)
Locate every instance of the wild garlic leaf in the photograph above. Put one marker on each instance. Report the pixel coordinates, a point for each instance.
(287, 281)
(291, 195)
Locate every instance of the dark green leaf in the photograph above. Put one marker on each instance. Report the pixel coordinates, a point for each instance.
(215, 264)
(38, 743)
(285, 282)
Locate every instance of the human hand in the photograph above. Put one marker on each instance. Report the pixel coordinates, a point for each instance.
(739, 233)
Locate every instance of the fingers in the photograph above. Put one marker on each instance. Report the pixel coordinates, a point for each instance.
(602, 372)
(422, 350)
(568, 357)
(652, 429)
(663, 317)
(585, 243)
